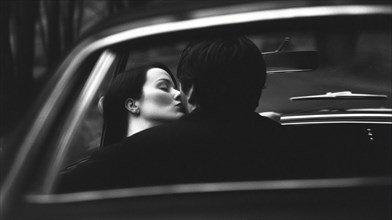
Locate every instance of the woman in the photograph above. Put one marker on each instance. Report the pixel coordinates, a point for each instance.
(140, 98)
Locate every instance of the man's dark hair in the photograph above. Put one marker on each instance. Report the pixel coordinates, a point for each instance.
(226, 71)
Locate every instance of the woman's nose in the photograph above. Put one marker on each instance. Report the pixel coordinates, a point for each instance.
(177, 95)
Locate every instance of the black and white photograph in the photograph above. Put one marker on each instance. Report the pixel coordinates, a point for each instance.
(195, 109)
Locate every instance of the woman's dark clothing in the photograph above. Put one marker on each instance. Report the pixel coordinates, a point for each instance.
(204, 146)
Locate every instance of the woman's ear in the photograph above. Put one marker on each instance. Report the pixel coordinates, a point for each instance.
(131, 106)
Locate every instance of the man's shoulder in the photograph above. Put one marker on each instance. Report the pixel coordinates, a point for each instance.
(257, 121)
(200, 122)
(195, 127)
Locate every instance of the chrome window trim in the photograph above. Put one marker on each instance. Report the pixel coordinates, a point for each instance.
(77, 112)
(339, 118)
(335, 122)
(239, 18)
(268, 185)
(332, 116)
(345, 118)
(85, 97)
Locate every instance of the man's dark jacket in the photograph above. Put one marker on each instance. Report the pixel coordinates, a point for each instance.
(204, 146)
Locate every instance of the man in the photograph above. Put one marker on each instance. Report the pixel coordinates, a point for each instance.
(221, 139)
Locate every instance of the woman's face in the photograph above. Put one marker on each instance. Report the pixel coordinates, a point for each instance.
(160, 101)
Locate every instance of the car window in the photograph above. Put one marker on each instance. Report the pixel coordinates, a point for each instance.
(355, 60)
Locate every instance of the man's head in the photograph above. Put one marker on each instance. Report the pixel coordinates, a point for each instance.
(222, 73)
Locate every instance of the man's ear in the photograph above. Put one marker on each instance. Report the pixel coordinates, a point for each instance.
(190, 95)
(187, 94)
(131, 106)
(187, 99)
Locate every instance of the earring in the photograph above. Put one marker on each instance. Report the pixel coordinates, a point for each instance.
(131, 106)
(135, 110)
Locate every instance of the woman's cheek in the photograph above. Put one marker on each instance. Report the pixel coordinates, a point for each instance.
(162, 99)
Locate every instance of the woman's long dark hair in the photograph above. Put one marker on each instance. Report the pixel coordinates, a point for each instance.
(128, 84)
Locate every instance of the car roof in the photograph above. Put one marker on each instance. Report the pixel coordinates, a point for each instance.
(182, 10)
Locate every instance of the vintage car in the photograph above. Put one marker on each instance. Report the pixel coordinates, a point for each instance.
(329, 83)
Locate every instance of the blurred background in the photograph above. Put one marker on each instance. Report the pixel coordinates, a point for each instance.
(34, 35)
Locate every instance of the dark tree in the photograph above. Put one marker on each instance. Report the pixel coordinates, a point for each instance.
(6, 67)
(52, 14)
(18, 78)
(35, 33)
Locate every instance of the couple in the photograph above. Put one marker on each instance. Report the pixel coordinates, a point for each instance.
(208, 132)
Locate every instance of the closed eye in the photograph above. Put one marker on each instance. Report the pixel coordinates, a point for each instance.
(165, 86)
